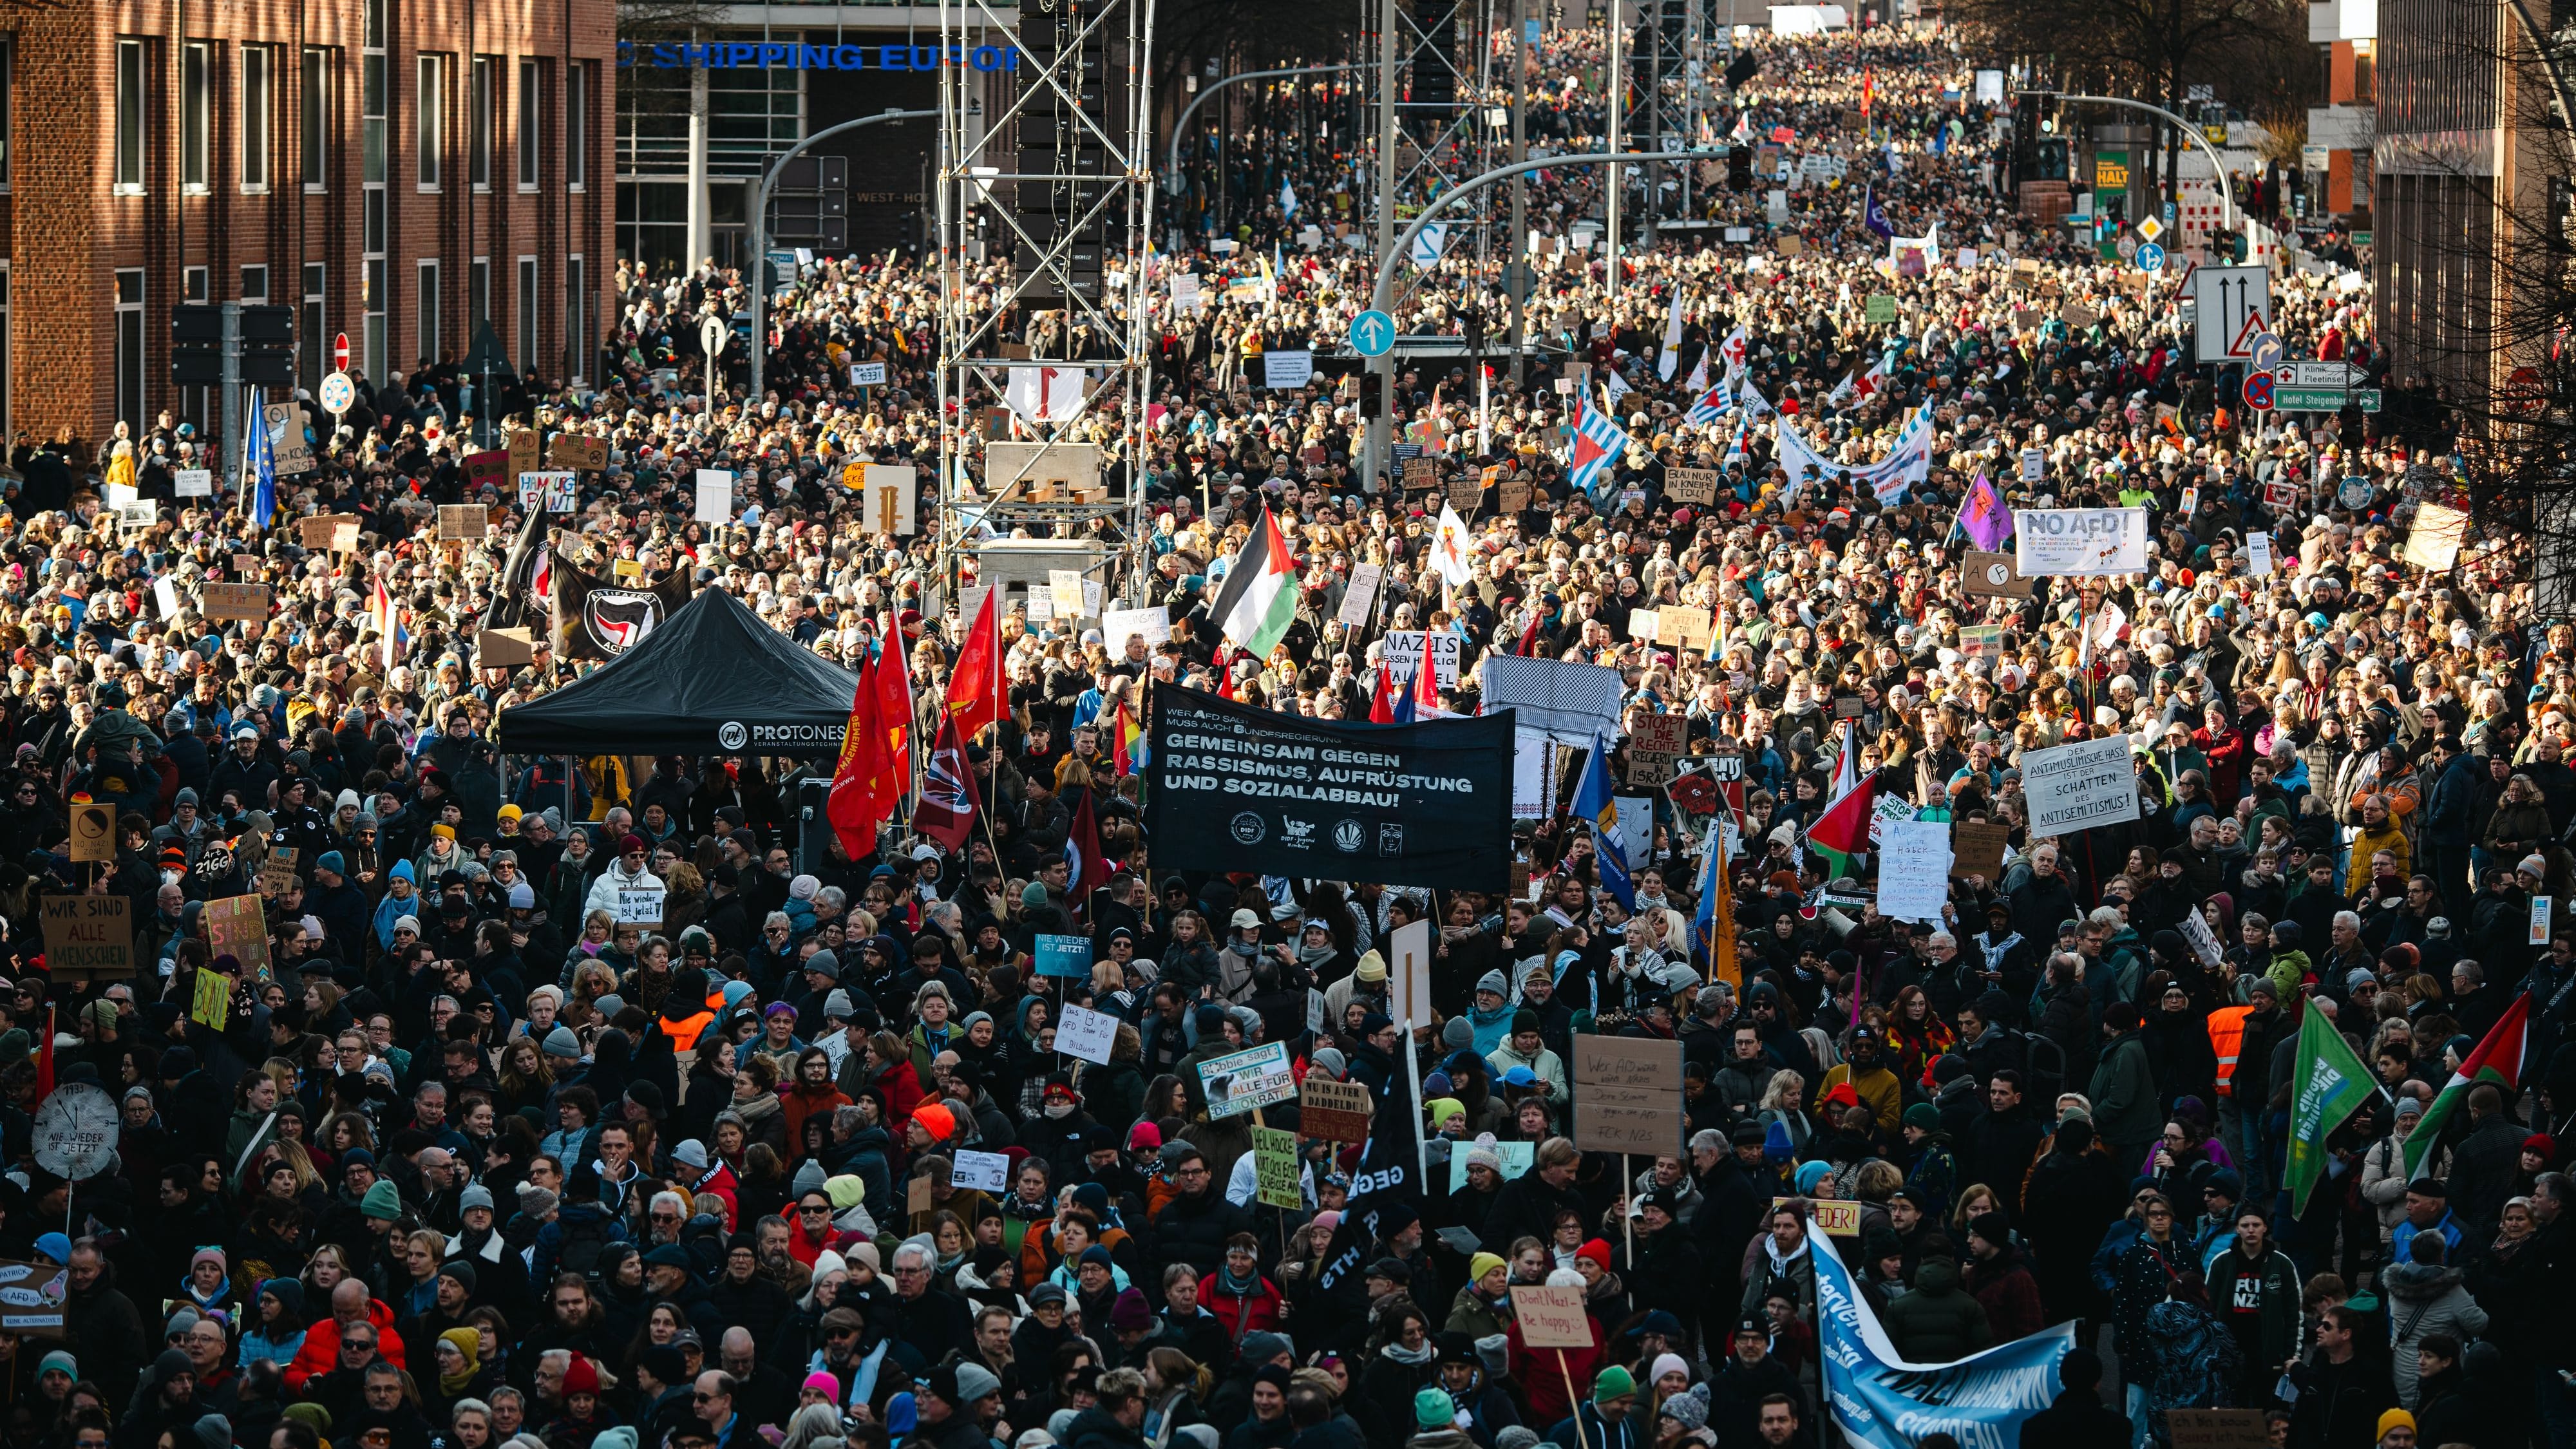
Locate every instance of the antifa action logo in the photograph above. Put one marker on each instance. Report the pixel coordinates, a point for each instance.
(619, 619)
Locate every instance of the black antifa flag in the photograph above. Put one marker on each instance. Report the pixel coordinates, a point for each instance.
(1389, 1174)
(598, 618)
(1241, 788)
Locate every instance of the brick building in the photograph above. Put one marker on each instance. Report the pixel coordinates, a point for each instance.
(395, 173)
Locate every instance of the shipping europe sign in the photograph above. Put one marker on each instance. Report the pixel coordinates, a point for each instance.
(770, 55)
(1240, 788)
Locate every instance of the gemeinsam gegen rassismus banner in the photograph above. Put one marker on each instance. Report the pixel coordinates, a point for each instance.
(1886, 1403)
(1234, 787)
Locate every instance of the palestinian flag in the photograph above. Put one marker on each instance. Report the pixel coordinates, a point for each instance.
(1260, 592)
(1842, 831)
(2498, 1059)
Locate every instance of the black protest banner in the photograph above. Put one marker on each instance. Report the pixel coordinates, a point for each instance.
(596, 618)
(1241, 788)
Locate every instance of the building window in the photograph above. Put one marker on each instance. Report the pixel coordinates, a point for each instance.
(193, 283)
(196, 116)
(576, 126)
(316, 312)
(527, 317)
(255, 63)
(254, 286)
(529, 112)
(430, 106)
(478, 296)
(313, 120)
(129, 347)
(576, 322)
(478, 161)
(129, 117)
(430, 351)
(373, 299)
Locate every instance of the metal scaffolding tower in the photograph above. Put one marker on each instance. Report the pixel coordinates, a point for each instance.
(1046, 165)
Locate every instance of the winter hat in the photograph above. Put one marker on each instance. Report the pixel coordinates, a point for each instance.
(58, 1360)
(691, 1153)
(936, 1120)
(1924, 1116)
(560, 1042)
(1614, 1382)
(1434, 1409)
(1518, 1436)
(207, 1255)
(2533, 865)
(2395, 1418)
(580, 1377)
(1990, 1227)
(1261, 1346)
(1493, 981)
(476, 1195)
(1482, 1264)
(846, 1191)
(1809, 1174)
(1329, 1061)
(381, 1202)
(1458, 1033)
(974, 1381)
(809, 1178)
(1129, 1314)
(1597, 1250)
(214, 1432)
(823, 1383)
(1689, 1408)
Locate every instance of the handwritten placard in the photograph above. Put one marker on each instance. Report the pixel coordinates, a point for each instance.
(1690, 485)
(88, 936)
(981, 1171)
(220, 601)
(584, 455)
(1085, 1034)
(238, 926)
(1551, 1317)
(1835, 1219)
(1277, 1177)
(461, 523)
(1627, 1094)
(1977, 848)
(1333, 1111)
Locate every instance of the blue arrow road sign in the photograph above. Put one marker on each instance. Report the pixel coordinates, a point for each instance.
(2151, 258)
(1372, 333)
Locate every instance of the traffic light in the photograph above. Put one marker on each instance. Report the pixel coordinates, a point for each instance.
(1373, 395)
(1739, 168)
(196, 346)
(268, 346)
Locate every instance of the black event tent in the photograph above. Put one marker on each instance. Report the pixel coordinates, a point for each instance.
(713, 679)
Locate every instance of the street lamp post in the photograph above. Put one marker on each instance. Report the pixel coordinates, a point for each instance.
(760, 239)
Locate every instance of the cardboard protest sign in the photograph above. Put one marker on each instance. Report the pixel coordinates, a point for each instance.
(1627, 1094)
(1334, 1111)
(1278, 1178)
(238, 926)
(1551, 1317)
(88, 936)
(221, 602)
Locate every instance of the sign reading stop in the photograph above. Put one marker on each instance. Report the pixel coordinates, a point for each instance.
(340, 352)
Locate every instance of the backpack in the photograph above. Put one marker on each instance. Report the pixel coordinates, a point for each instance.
(584, 1239)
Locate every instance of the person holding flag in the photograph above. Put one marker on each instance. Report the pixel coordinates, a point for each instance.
(1842, 830)
(1594, 806)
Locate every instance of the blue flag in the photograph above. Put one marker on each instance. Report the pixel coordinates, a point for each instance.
(1594, 806)
(1873, 217)
(262, 464)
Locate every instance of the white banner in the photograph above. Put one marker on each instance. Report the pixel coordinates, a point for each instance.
(1404, 655)
(1289, 367)
(2071, 787)
(2079, 542)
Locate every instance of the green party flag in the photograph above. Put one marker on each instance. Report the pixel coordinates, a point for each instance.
(2332, 1085)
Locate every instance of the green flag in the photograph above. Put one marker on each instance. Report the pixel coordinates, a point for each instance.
(2332, 1084)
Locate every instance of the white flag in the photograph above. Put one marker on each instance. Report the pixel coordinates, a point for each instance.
(1287, 199)
(1671, 357)
(1429, 242)
(1453, 549)
(1045, 394)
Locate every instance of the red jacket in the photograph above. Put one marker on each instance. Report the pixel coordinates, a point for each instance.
(1254, 1312)
(1542, 1373)
(321, 1351)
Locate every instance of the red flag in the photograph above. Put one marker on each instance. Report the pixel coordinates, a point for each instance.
(1426, 684)
(976, 688)
(1082, 852)
(45, 1058)
(893, 690)
(851, 804)
(1382, 699)
(949, 796)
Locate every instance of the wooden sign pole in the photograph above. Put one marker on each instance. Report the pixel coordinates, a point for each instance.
(1574, 1400)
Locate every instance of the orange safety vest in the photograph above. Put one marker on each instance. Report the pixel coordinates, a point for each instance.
(2227, 1037)
(684, 1033)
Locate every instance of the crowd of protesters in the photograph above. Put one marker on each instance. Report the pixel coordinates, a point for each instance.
(470, 1162)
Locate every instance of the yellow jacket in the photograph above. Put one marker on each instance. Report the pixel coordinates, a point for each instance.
(2390, 837)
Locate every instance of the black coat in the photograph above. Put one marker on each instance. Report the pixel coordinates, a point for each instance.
(2076, 1420)
(1193, 1229)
